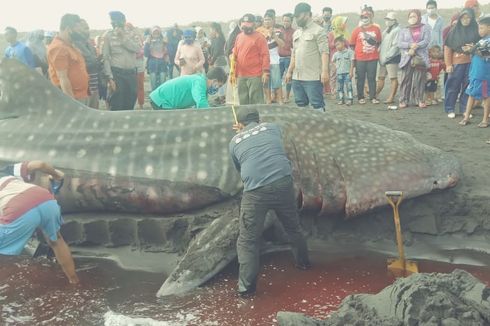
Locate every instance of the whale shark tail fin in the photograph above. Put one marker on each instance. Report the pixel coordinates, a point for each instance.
(23, 91)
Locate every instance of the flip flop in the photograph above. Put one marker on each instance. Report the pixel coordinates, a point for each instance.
(464, 122)
(483, 125)
(488, 142)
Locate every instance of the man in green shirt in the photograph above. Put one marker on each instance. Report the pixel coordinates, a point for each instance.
(188, 91)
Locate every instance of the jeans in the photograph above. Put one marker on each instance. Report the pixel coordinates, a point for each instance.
(277, 196)
(344, 88)
(156, 79)
(456, 84)
(308, 92)
(366, 69)
(284, 63)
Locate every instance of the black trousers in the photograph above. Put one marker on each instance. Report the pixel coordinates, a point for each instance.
(366, 69)
(124, 98)
(278, 196)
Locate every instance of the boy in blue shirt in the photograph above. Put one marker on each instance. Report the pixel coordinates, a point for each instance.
(478, 89)
(344, 62)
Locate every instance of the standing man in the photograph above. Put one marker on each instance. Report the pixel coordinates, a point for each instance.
(67, 68)
(327, 13)
(26, 207)
(252, 60)
(309, 61)
(285, 50)
(436, 23)
(119, 53)
(18, 50)
(258, 153)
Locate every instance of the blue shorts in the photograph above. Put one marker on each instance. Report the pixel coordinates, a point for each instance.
(14, 236)
(478, 89)
(275, 80)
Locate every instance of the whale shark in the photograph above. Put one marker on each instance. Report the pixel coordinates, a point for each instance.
(163, 162)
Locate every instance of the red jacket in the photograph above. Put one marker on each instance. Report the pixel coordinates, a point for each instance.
(252, 55)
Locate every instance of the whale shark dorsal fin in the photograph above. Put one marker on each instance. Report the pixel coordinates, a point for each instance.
(23, 91)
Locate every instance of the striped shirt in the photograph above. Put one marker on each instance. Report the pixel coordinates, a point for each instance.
(17, 197)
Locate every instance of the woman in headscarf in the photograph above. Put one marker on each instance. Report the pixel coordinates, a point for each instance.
(217, 55)
(457, 57)
(204, 41)
(189, 56)
(389, 57)
(157, 56)
(339, 28)
(413, 42)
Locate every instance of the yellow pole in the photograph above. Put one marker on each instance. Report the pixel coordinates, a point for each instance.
(399, 236)
(232, 83)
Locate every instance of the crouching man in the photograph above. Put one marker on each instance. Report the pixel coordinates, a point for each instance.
(24, 207)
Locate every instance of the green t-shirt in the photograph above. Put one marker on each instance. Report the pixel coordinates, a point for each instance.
(182, 93)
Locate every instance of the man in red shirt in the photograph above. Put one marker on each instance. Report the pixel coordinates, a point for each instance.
(285, 51)
(67, 68)
(252, 68)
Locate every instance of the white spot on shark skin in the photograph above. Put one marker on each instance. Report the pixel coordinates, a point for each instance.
(202, 144)
(175, 153)
(159, 120)
(60, 138)
(174, 169)
(150, 149)
(89, 138)
(49, 112)
(178, 139)
(16, 86)
(112, 170)
(47, 92)
(30, 138)
(95, 124)
(72, 120)
(81, 153)
(182, 123)
(52, 153)
(19, 154)
(10, 136)
(41, 125)
(117, 150)
(152, 194)
(149, 170)
(204, 134)
(126, 126)
(153, 136)
(120, 138)
(127, 117)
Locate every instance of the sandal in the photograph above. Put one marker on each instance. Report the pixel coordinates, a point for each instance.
(375, 101)
(464, 122)
(422, 106)
(403, 105)
(362, 101)
(483, 124)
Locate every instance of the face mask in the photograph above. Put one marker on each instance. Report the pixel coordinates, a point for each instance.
(365, 21)
(412, 21)
(75, 36)
(389, 23)
(213, 89)
(327, 18)
(431, 11)
(300, 22)
(188, 41)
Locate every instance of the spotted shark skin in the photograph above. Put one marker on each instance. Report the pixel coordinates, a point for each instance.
(163, 162)
(171, 161)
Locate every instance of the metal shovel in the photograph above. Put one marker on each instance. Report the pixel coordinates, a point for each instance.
(399, 267)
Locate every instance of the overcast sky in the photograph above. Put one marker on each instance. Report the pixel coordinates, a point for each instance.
(46, 14)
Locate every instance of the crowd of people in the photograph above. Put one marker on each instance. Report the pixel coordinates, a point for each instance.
(425, 61)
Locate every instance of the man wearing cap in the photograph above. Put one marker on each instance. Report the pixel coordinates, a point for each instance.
(18, 50)
(67, 68)
(258, 153)
(309, 60)
(119, 54)
(252, 62)
(24, 207)
(389, 57)
(189, 56)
